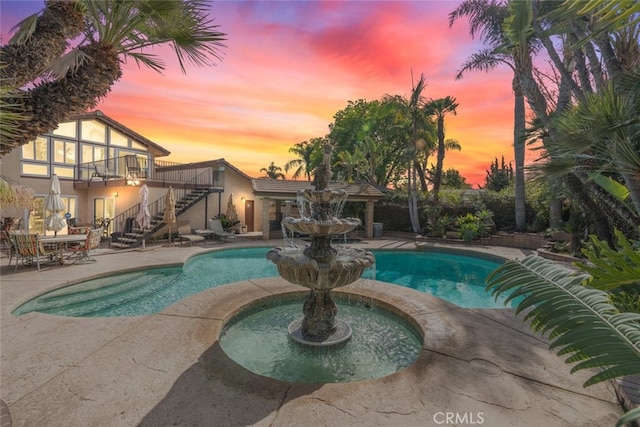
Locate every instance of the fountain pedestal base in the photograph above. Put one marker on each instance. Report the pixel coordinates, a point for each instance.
(341, 333)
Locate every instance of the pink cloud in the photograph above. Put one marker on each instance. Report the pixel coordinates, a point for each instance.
(290, 66)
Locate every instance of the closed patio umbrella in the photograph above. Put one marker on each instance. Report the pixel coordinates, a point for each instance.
(169, 215)
(54, 204)
(232, 213)
(144, 217)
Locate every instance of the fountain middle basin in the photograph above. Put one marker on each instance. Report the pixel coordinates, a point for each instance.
(384, 341)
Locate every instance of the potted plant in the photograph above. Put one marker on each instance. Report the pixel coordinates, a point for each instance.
(227, 224)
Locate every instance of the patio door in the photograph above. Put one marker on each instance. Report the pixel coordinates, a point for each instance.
(39, 213)
(104, 208)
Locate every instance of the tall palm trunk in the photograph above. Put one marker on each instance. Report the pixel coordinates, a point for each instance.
(421, 176)
(591, 210)
(54, 102)
(437, 179)
(413, 198)
(26, 59)
(519, 151)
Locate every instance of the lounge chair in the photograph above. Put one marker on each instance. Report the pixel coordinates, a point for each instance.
(215, 225)
(80, 253)
(185, 233)
(101, 171)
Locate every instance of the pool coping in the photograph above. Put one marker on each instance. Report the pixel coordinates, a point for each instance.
(168, 367)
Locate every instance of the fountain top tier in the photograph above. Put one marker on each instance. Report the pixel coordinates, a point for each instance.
(320, 208)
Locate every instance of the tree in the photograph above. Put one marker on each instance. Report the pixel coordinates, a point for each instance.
(452, 179)
(412, 124)
(350, 163)
(439, 108)
(486, 18)
(498, 176)
(273, 172)
(597, 48)
(113, 31)
(365, 130)
(308, 153)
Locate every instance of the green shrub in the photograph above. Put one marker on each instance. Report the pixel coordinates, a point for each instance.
(469, 231)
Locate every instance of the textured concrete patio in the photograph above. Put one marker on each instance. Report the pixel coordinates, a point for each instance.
(478, 366)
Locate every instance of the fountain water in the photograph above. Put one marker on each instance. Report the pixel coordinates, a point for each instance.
(320, 267)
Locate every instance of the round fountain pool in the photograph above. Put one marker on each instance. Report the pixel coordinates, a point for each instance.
(382, 342)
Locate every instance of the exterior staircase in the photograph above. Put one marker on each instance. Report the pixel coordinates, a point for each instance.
(132, 236)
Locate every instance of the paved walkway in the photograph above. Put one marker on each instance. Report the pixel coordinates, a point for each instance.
(478, 366)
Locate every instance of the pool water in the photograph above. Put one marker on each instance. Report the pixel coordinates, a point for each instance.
(381, 344)
(456, 278)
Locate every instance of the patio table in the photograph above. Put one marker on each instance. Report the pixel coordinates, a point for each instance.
(62, 241)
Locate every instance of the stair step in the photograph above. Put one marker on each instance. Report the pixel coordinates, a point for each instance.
(91, 304)
(119, 245)
(134, 238)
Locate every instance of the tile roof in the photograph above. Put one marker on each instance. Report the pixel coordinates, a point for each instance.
(278, 188)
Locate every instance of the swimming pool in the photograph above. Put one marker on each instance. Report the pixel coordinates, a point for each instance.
(451, 276)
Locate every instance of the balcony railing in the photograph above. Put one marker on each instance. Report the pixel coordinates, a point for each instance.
(135, 170)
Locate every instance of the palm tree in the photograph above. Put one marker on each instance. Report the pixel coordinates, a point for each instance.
(113, 31)
(439, 108)
(598, 140)
(29, 54)
(350, 162)
(413, 125)
(486, 18)
(608, 28)
(273, 172)
(306, 151)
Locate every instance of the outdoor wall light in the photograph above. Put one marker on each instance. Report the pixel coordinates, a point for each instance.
(133, 182)
(115, 195)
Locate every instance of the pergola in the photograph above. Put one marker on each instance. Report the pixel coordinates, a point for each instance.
(283, 193)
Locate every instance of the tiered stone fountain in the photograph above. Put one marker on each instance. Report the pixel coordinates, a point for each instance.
(320, 266)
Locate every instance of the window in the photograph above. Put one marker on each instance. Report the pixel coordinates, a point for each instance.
(92, 130)
(64, 152)
(118, 139)
(36, 150)
(92, 153)
(35, 169)
(63, 172)
(66, 129)
(138, 146)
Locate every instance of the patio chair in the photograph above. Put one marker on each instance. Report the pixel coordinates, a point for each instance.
(215, 225)
(185, 233)
(134, 171)
(8, 244)
(80, 253)
(29, 248)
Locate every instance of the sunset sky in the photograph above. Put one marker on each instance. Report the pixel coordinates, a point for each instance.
(289, 66)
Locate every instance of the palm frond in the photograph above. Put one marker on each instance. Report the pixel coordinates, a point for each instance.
(24, 29)
(68, 63)
(579, 320)
(632, 415)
